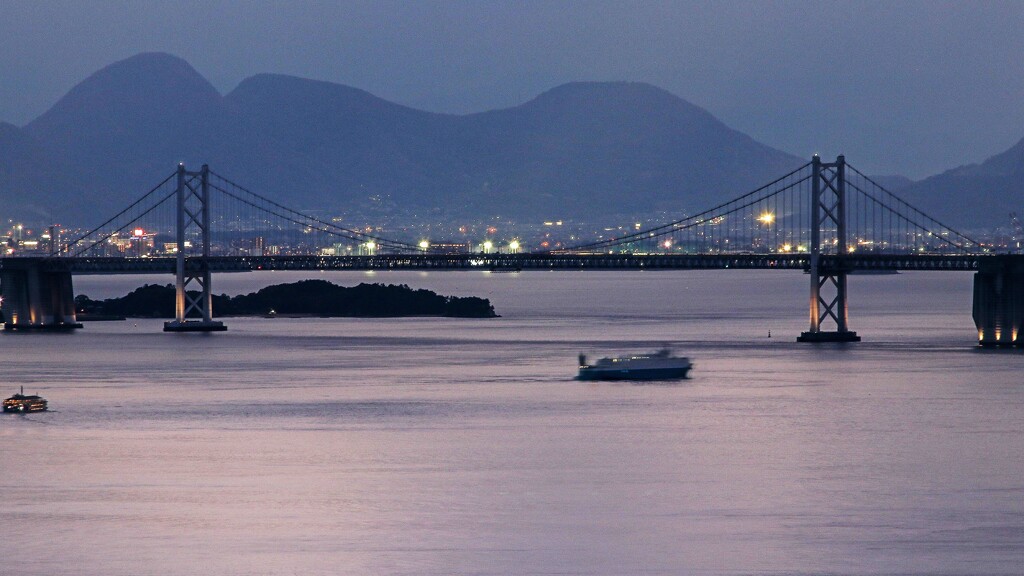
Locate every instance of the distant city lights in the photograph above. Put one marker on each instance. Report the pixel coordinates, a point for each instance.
(761, 230)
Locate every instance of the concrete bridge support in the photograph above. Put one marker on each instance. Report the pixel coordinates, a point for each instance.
(36, 296)
(999, 301)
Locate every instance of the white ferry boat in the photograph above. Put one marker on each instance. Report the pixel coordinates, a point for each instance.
(661, 365)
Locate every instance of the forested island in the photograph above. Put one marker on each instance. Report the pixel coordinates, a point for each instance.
(305, 298)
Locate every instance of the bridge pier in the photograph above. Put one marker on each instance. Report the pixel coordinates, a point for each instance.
(832, 280)
(37, 295)
(999, 301)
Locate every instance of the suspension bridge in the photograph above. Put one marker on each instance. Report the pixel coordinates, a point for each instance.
(827, 219)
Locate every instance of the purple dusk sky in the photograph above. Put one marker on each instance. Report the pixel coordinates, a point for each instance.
(904, 87)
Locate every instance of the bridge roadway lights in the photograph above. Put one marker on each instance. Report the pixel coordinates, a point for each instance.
(194, 326)
(999, 301)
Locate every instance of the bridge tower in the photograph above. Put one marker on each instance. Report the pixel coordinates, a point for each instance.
(828, 276)
(193, 213)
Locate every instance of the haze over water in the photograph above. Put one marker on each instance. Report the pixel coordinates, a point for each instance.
(454, 446)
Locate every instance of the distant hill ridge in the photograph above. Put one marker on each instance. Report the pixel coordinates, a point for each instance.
(980, 194)
(583, 150)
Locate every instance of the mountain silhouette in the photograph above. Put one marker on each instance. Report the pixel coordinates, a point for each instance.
(591, 151)
(588, 150)
(30, 176)
(138, 117)
(977, 195)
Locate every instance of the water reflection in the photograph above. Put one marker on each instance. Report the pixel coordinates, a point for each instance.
(412, 446)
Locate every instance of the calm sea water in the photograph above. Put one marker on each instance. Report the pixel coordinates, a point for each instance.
(444, 446)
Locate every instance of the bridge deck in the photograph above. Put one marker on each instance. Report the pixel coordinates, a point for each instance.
(511, 262)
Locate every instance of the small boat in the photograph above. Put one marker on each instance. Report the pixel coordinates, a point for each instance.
(22, 403)
(661, 365)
